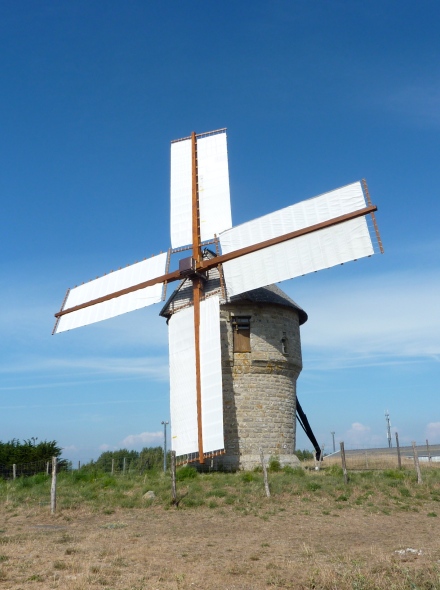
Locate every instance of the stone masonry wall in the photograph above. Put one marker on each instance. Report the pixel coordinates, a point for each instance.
(259, 387)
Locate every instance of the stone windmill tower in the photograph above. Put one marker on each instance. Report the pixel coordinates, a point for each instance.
(261, 362)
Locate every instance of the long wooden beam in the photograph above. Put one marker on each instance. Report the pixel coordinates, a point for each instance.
(208, 264)
(197, 291)
(169, 277)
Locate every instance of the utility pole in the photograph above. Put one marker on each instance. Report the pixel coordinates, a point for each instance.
(164, 445)
(387, 418)
(333, 436)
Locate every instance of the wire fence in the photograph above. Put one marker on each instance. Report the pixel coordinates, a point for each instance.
(387, 458)
(356, 460)
(25, 469)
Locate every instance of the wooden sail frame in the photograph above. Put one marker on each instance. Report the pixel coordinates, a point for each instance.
(205, 265)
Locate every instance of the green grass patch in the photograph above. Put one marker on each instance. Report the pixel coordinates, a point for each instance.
(389, 490)
(186, 472)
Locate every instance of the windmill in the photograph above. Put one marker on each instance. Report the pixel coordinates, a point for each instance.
(318, 233)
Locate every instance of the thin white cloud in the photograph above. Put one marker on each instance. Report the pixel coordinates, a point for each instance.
(68, 405)
(360, 322)
(360, 435)
(99, 364)
(433, 432)
(143, 439)
(24, 322)
(105, 447)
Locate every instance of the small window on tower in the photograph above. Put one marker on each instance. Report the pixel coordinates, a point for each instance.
(284, 341)
(241, 326)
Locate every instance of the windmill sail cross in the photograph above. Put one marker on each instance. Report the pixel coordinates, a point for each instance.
(311, 235)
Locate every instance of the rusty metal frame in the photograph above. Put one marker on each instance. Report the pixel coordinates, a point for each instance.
(220, 268)
(57, 321)
(167, 270)
(204, 134)
(373, 217)
(194, 457)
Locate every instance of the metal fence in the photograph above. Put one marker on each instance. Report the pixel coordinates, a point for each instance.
(387, 458)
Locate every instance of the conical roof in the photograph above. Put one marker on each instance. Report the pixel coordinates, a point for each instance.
(271, 294)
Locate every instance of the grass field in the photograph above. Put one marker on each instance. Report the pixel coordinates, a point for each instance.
(380, 531)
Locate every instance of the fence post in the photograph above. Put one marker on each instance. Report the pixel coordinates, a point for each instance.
(123, 466)
(399, 459)
(173, 477)
(79, 465)
(416, 463)
(429, 452)
(53, 488)
(113, 466)
(344, 464)
(14, 471)
(266, 483)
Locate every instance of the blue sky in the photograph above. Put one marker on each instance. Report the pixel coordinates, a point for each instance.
(315, 95)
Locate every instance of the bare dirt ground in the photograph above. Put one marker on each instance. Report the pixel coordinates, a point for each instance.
(282, 545)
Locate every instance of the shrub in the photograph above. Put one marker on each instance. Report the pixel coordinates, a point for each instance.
(334, 470)
(186, 472)
(304, 455)
(247, 476)
(274, 464)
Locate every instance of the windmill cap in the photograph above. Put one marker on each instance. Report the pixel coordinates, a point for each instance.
(273, 295)
(270, 295)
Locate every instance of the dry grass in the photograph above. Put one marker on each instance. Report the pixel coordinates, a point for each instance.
(312, 533)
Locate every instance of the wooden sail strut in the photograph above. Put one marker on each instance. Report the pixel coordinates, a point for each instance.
(197, 291)
(204, 265)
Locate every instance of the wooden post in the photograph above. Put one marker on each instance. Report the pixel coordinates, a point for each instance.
(173, 477)
(266, 483)
(123, 466)
(53, 488)
(429, 452)
(416, 463)
(14, 471)
(113, 466)
(399, 459)
(366, 460)
(344, 464)
(47, 468)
